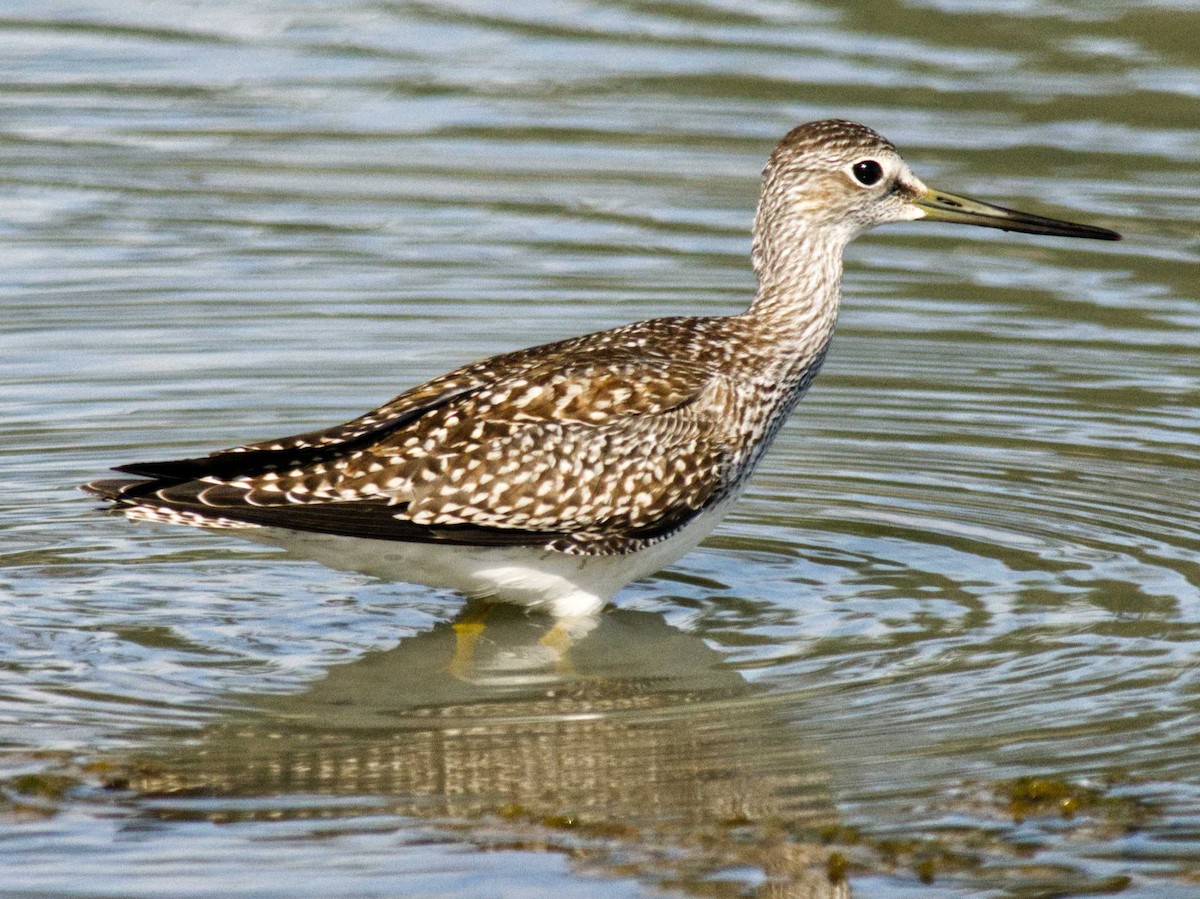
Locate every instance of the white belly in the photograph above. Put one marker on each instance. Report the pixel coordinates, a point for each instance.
(567, 586)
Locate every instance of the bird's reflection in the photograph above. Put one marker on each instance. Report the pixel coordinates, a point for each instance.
(636, 736)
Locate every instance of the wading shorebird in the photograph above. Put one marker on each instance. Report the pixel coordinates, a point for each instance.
(554, 476)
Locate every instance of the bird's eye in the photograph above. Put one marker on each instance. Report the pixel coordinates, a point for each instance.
(867, 172)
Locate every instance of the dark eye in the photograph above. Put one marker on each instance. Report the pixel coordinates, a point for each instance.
(867, 172)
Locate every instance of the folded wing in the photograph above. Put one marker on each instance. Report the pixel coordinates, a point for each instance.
(563, 452)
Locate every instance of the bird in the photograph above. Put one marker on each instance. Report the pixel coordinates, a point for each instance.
(554, 476)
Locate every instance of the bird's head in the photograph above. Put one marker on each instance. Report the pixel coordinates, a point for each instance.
(833, 179)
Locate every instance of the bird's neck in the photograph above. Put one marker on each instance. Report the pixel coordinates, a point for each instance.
(799, 290)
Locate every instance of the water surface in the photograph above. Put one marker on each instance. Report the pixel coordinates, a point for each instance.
(947, 645)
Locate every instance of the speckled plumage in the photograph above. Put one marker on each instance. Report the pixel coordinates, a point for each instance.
(596, 445)
(601, 446)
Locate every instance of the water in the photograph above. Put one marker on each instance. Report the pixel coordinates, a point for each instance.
(946, 646)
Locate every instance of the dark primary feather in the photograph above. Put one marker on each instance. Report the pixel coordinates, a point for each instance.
(291, 452)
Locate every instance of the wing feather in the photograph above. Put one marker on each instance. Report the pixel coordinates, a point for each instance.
(291, 452)
(589, 441)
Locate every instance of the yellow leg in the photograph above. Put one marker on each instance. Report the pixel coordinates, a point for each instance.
(466, 634)
(559, 639)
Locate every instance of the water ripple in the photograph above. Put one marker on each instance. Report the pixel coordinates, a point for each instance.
(970, 558)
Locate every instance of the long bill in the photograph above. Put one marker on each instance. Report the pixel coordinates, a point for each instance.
(939, 206)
